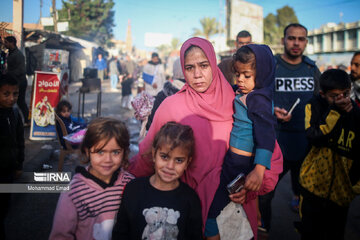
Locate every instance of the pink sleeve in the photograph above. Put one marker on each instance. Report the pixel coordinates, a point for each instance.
(65, 219)
(271, 176)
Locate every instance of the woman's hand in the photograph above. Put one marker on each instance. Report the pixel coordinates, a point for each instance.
(239, 197)
(254, 179)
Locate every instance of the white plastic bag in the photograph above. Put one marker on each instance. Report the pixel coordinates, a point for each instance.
(233, 223)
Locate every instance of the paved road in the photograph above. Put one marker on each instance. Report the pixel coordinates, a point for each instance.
(30, 216)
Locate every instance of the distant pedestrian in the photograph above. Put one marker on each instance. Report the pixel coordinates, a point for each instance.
(16, 68)
(154, 75)
(130, 71)
(161, 206)
(12, 142)
(331, 169)
(101, 66)
(114, 73)
(88, 210)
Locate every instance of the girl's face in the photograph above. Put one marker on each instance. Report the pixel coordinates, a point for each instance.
(169, 166)
(104, 162)
(65, 112)
(197, 70)
(245, 76)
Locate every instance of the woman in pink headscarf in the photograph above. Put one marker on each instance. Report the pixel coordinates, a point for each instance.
(206, 104)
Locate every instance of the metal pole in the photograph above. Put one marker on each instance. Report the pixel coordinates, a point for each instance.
(54, 15)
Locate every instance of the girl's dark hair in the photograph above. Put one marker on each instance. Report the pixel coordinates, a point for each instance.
(175, 135)
(334, 79)
(104, 129)
(244, 55)
(61, 105)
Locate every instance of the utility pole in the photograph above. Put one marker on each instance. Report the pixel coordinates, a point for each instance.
(18, 21)
(54, 15)
(41, 5)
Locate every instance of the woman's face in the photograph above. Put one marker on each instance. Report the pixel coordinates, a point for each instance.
(197, 70)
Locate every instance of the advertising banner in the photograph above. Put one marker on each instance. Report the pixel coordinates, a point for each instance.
(46, 97)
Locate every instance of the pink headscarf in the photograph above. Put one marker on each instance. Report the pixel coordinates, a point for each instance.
(216, 102)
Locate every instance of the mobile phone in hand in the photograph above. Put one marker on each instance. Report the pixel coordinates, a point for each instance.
(293, 106)
(237, 184)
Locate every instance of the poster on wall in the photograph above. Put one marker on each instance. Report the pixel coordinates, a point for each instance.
(45, 98)
(55, 60)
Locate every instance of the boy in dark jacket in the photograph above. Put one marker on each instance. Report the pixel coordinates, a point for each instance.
(11, 141)
(330, 173)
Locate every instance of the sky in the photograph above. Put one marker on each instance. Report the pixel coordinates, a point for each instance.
(180, 17)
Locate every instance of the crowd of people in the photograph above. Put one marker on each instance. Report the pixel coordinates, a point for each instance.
(253, 118)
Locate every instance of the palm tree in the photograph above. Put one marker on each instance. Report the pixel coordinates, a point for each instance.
(209, 27)
(175, 44)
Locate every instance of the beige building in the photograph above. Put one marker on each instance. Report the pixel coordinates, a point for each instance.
(241, 15)
(335, 38)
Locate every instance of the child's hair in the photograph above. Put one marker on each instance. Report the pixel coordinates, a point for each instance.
(334, 79)
(175, 135)
(101, 129)
(61, 105)
(7, 79)
(245, 55)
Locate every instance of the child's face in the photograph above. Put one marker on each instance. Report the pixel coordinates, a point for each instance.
(106, 161)
(170, 165)
(335, 94)
(65, 112)
(8, 96)
(245, 76)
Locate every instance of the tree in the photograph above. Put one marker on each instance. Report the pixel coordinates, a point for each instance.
(92, 20)
(274, 24)
(271, 30)
(209, 27)
(166, 49)
(163, 49)
(175, 44)
(285, 16)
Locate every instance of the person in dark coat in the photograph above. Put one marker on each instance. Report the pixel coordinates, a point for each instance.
(16, 68)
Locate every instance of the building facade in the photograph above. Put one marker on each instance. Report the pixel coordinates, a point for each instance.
(241, 15)
(335, 38)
